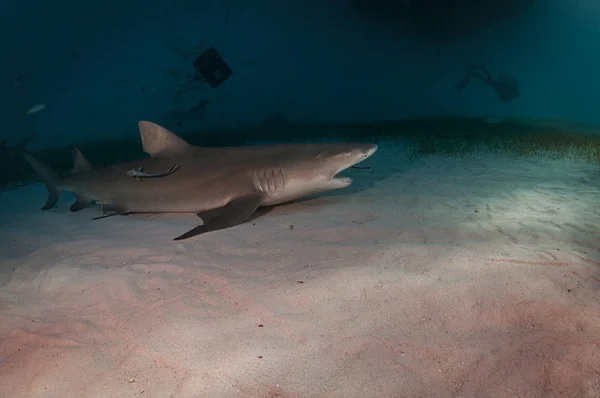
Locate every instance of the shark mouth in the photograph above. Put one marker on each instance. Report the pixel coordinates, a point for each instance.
(347, 180)
(342, 179)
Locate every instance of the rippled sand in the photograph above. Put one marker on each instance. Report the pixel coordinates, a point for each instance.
(448, 277)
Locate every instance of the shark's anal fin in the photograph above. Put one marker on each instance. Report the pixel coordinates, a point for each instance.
(233, 213)
(80, 204)
(109, 210)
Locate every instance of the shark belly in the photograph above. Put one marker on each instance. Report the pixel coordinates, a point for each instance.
(172, 194)
(158, 202)
(277, 198)
(294, 189)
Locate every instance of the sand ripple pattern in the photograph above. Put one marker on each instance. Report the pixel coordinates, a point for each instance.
(444, 278)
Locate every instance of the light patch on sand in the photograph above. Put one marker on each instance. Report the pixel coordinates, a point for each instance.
(447, 277)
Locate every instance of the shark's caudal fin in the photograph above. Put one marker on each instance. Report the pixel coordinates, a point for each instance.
(49, 177)
(160, 142)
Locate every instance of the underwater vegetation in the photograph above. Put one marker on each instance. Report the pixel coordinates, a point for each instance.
(453, 136)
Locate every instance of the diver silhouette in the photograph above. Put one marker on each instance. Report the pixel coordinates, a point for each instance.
(506, 87)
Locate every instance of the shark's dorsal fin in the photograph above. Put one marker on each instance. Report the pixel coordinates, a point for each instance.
(160, 142)
(80, 162)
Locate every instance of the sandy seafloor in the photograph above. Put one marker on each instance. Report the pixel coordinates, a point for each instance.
(447, 277)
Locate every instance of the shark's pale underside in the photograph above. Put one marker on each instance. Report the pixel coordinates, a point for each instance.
(223, 186)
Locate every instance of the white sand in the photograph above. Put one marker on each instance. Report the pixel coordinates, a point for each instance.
(445, 278)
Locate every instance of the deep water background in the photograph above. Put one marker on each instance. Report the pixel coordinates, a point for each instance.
(312, 61)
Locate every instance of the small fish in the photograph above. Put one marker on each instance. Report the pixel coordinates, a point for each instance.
(139, 173)
(195, 110)
(150, 87)
(19, 80)
(196, 79)
(201, 105)
(34, 109)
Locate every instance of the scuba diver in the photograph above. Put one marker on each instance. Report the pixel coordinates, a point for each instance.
(506, 87)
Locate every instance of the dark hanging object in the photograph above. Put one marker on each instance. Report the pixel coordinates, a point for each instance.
(212, 67)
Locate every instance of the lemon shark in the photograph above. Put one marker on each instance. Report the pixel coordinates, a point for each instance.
(224, 186)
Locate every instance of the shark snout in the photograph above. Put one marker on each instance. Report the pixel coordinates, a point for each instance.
(363, 152)
(370, 150)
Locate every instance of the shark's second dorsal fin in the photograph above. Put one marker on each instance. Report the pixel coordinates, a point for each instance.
(160, 142)
(80, 162)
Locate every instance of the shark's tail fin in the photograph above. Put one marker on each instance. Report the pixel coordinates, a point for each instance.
(50, 178)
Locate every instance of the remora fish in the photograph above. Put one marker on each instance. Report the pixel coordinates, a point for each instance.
(139, 173)
(223, 186)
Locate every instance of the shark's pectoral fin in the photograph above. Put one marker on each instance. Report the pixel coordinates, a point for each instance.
(109, 210)
(80, 204)
(233, 213)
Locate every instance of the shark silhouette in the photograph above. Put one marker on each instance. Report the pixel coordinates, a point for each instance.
(223, 186)
(12, 166)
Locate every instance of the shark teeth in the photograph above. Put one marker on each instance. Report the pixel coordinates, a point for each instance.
(345, 180)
